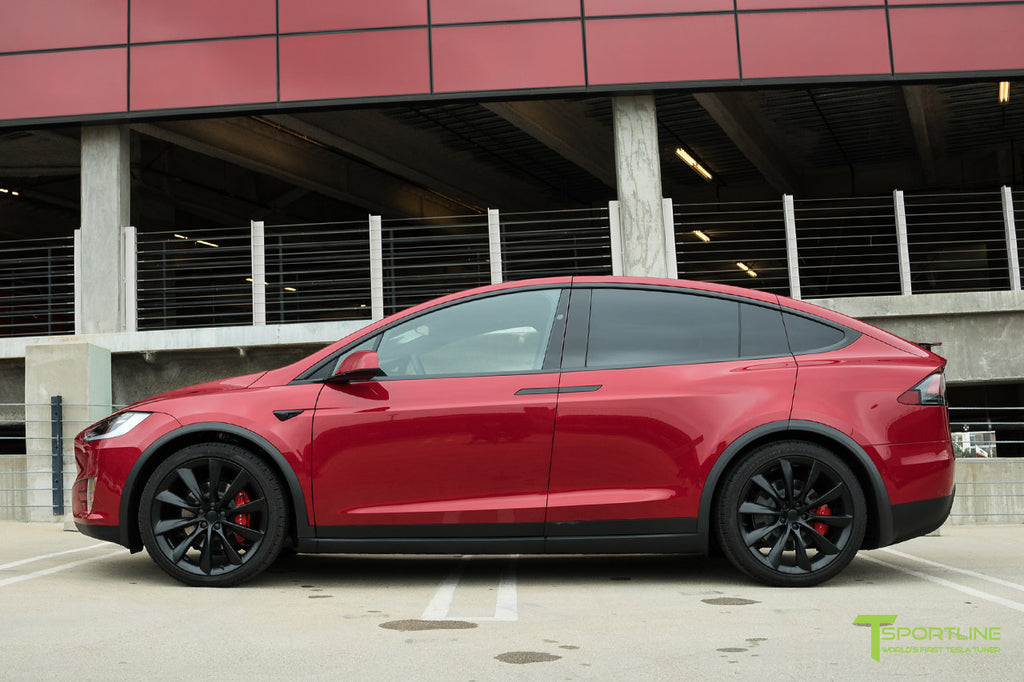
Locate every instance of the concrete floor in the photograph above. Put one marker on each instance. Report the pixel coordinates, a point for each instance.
(75, 608)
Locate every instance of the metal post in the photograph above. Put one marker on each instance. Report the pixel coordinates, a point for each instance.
(792, 254)
(259, 274)
(616, 237)
(671, 263)
(494, 244)
(57, 453)
(130, 286)
(77, 261)
(902, 243)
(376, 269)
(1011, 238)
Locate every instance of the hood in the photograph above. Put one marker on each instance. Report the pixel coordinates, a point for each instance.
(219, 386)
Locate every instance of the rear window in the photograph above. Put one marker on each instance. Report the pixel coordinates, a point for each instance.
(810, 336)
(642, 328)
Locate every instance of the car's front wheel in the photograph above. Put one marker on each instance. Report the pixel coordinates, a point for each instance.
(792, 514)
(213, 514)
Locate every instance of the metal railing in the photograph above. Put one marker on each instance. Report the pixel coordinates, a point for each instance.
(366, 269)
(37, 287)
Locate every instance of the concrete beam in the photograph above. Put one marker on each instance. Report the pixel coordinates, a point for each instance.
(927, 112)
(739, 117)
(565, 128)
(419, 157)
(315, 166)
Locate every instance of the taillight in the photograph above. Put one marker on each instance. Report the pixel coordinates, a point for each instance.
(930, 391)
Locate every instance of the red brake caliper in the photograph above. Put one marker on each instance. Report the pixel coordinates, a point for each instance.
(823, 510)
(242, 519)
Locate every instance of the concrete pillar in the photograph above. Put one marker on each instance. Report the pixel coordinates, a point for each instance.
(638, 174)
(80, 374)
(106, 192)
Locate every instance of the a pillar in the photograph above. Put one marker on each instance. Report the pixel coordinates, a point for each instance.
(106, 192)
(638, 174)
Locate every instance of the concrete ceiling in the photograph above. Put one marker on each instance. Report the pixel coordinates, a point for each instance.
(458, 158)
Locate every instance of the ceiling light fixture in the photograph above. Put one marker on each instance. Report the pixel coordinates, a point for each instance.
(701, 235)
(745, 268)
(181, 236)
(1004, 92)
(692, 163)
(200, 241)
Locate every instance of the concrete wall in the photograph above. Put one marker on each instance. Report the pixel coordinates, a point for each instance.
(988, 491)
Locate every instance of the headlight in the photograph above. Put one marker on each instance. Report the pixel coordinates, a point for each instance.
(116, 425)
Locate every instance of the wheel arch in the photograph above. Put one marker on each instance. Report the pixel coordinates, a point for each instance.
(192, 434)
(880, 520)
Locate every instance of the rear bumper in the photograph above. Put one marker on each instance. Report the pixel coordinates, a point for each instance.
(105, 533)
(911, 519)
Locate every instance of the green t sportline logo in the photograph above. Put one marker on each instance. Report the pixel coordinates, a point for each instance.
(927, 640)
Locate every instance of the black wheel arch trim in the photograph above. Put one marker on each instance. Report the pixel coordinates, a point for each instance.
(135, 482)
(883, 511)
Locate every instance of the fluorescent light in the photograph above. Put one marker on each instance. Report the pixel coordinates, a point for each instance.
(692, 163)
(701, 236)
(745, 268)
(290, 289)
(1004, 92)
(200, 241)
(5, 191)
(181, 236)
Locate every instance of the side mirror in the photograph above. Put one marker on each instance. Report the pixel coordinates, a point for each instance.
(361, 365)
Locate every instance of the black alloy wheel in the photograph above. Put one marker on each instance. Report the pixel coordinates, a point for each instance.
(213, 514)
(792, 514)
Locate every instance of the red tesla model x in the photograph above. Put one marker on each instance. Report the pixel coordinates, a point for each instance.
(570, 415)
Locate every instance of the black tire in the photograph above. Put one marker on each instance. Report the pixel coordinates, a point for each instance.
(213, 515)
(791, 514)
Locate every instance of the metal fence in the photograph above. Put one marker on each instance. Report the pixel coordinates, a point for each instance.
(282, 274)
(37, 287)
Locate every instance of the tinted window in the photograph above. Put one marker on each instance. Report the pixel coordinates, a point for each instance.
(761, 332)
(499, 334)
(808, 336)
(634, 327)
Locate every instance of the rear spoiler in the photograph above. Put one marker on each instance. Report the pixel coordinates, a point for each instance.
(928, 345)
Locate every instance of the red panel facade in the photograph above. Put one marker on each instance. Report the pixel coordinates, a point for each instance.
(599, 8)
(155, 20)
(803, 4)
(508, 56)
(336, 65)
(82, 82)
(794, 44)
(655, 49)
(460, 11)
(53, 24)
(330, 15)
(210, 73)
(930, 39)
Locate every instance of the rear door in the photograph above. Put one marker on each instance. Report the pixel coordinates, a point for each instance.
(656, 383)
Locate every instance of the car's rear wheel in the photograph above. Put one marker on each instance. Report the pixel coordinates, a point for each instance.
(792, 514)
(213, 514)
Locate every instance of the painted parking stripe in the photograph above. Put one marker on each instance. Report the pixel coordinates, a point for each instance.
(964, 571)
(58, 568)
(505, 608)
(50, 556)
(1009, 603)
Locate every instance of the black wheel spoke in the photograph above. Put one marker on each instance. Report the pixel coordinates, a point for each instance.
(168, 525)
(167, 497)
(237, 485)
(249, 507)
(753, 538)
(775, 555)
(229, 549)
(767, 487)
(832, 494)
(802, 560)
(246, 532)
(812, 478)
(179, 550)
(214, 475)
(839, 521)
(821, 542)
(188, 477)
(787, 477)
(757, 508)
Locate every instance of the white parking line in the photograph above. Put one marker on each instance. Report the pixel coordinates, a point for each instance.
(50, 556)
(505, 608)
(58, 568)
(964, 571)
(1009, 603)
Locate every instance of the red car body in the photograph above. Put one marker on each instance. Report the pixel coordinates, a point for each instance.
(580, 454)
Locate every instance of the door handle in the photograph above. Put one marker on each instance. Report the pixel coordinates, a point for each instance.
(557, 389)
